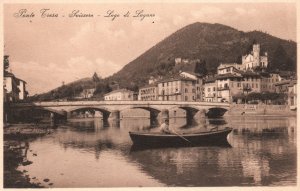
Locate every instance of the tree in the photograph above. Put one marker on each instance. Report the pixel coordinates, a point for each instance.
(5, 63)
(200, 67)
(281, 60)
(254, 96)
(250, 47)
(95, 77)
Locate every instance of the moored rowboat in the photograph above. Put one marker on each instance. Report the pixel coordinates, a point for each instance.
(218, 137)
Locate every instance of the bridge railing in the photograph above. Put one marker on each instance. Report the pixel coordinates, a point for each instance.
(88, 103)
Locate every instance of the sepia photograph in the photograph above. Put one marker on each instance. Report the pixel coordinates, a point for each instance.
(153, 94)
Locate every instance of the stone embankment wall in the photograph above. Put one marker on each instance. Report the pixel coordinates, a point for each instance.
(260, 109)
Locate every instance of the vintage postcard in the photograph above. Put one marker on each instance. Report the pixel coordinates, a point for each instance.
(154, 94)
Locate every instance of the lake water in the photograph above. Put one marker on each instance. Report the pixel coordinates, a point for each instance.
(88, 153)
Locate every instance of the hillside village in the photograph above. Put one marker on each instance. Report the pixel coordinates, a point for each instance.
(246, 82)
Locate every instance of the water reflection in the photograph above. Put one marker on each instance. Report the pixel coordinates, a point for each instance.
(263, 153)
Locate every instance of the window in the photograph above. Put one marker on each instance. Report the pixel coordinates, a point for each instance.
(238, 84)
(256, 85)
(214, 88)
(208, 89)
(193, 90)
(186, 98)
(186, 90)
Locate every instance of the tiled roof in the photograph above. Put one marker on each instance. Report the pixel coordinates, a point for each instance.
(119, 90)
(282, 82)
(149, 86)
(193, 73)
(228, 75)
(250, 73)
(176, 78)
(8, 74)
(210, 79)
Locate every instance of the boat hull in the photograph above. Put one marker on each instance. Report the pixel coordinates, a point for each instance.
(214, 138)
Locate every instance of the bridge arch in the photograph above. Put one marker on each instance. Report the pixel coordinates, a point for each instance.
(105, 111)
(154, 112)
(36, 114)
(216, 112)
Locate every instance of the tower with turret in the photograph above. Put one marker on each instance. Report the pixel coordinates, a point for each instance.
(254, 59)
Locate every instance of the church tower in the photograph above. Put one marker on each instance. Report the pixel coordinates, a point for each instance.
(256, 57)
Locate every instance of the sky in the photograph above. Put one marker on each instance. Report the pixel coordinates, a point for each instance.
(46, 51)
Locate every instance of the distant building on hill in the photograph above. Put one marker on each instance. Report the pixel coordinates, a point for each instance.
(254, 59)
(185, 61)
(119, 95)
(153, 80)
(87, 93)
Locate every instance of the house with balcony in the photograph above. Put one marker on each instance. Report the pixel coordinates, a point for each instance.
(210, 89)
(198, 85)
(177, 88)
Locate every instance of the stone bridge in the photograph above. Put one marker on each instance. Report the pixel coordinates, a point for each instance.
(112, 109)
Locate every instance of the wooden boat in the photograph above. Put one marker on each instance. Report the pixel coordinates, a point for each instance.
(156, 139)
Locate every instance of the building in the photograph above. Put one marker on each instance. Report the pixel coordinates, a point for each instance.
(228, 85)
(210, 89)
(255, 59)
(292, 94)
(181, 61)
(153, 80)
(87, 93)
(282, 86)
(225, 68)
(228, 81)
(289, 88)
(22, 89)
(148, 93)
(119, 95)
(14, 88)
(199, 83)
(251, 82)
(268, 82)
(177, 89)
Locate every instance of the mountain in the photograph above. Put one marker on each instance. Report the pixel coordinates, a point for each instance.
(213, 43)
(210, 43)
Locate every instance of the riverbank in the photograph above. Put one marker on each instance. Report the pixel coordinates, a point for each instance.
(260, 110)
(25, 131)
(13, 158)
(16, 138)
